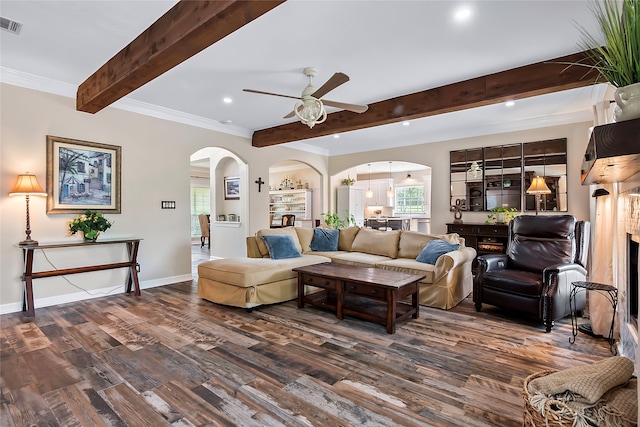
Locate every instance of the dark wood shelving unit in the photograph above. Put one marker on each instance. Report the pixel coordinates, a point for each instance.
(484, 238)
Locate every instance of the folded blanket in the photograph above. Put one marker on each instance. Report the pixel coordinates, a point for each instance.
(599, 394)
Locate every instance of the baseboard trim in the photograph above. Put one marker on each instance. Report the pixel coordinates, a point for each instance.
(15, 307)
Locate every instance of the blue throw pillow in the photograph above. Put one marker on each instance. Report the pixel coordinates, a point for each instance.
(434, 249)
(281, 246)
(325, 240)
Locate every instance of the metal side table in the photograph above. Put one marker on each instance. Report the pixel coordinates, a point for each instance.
(608, 291)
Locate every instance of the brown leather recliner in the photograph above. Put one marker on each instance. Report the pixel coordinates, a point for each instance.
(544, 255)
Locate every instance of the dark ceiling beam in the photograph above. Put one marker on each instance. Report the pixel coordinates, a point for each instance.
(517, 83)
(186, 29)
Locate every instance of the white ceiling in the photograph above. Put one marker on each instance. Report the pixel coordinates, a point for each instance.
(388, 48)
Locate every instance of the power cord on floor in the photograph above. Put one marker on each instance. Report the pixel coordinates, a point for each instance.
(73, 284)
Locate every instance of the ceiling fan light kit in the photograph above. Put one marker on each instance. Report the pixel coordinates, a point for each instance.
(310, 107)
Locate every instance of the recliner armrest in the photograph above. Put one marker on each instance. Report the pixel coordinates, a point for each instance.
(492, 262)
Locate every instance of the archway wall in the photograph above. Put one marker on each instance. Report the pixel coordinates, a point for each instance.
(436, 155)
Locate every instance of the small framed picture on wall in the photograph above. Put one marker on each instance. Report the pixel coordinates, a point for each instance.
(232, 188)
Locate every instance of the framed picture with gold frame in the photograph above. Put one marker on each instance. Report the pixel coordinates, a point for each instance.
(82, 175)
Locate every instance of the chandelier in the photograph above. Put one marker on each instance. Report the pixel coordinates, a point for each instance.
(475, 171)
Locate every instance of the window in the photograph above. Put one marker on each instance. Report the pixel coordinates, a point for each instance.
(409, 199)
(200, 204)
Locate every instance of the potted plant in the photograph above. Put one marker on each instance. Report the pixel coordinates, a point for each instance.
(348, 181)
(501, 215)
(333, 220)
(618, 61)
(91, 224)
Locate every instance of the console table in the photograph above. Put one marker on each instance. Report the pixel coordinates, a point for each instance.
(484, 238)
(28, 253)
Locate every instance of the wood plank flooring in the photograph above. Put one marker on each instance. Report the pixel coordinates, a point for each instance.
(170, 358)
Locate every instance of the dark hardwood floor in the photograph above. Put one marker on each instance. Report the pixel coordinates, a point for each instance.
(170, 358)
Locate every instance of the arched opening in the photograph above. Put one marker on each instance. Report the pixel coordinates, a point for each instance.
(295, 188)
(386, 190)
(219, 190)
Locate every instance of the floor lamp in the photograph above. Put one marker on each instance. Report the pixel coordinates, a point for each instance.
(27, 185)
(538, 187)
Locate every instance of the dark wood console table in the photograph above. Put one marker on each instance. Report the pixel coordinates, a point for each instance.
(484, 238)
(28, 252)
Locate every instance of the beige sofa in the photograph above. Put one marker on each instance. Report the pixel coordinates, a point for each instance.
(258, 279)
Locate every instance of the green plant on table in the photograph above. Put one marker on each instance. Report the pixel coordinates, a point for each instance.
(501, 215)
(333, 220)
(91, 224)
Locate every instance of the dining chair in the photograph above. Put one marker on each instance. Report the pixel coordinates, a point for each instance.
(288, 220)
(205, 235)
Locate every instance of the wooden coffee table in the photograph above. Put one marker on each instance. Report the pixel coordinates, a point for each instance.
(367, 293)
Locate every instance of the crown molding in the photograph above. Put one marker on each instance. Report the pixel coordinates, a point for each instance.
(31, 81)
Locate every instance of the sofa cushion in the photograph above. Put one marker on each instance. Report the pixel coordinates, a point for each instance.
(346, 237)
(246, 272)
(269, 231)
(305, 235)
(359, 258)
(377, 242)
(434, 250)
(409, 266)
(413, 242)
(281, 246)
(324, 239)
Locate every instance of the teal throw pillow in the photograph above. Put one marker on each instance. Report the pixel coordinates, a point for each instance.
(434, 249)
(281, 246)
(325, 240)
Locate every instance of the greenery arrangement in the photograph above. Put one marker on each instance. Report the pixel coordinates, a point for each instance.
(501, 215)
(333, 220)
(348, 181)
(618, 61)
(91, 224)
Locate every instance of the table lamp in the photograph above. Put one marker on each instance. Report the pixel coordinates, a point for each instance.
(537, 188)
(27, 185)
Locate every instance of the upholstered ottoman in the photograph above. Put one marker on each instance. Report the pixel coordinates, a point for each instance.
(250, 282)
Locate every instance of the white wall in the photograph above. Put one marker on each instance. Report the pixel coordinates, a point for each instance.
(436, 156)
(155, 167)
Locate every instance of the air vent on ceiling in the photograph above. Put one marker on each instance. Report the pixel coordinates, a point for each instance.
(9, 25)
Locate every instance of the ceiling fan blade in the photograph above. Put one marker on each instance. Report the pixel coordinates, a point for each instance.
(288, 116)
(349, 107)
(336, 80)
(270, 93)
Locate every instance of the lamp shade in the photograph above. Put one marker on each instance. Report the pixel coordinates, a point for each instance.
(27, 185)
(538, 186)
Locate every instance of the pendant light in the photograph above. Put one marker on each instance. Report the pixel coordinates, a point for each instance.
(369, 193)
(390, 193)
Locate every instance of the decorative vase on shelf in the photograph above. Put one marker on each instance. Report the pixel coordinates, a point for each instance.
(91, 236)
(627, 102)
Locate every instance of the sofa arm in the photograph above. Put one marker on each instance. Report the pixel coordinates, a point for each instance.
(453, 259)
(252, 247)
(492, 262)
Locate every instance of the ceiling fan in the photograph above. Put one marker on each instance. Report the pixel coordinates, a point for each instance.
(310, 107)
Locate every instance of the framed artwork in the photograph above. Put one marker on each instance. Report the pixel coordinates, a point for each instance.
(222, 217)
(232, 188)
(82, 175)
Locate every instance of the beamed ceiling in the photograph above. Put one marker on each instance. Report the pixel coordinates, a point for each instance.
(407, 60)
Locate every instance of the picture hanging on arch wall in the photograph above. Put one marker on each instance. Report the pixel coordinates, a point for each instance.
(82, 175)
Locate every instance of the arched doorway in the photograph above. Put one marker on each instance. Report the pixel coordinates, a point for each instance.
(391, 189)
(295, 188)
(224, 174)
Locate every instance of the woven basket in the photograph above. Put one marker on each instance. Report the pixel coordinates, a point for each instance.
(556, 413)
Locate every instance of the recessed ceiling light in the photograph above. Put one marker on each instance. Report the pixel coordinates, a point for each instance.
(227, 100)
(510, 103)
(406, 123)
(462, 14)
(336, 136)
(227, 122)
